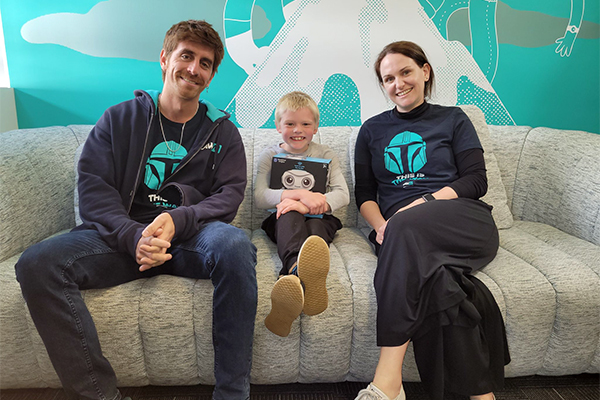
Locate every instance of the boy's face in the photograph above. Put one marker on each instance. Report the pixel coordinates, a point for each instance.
(297, 129)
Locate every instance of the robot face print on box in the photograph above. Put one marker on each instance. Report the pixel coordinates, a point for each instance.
(293, 172)
(297, 179)
(161, 164)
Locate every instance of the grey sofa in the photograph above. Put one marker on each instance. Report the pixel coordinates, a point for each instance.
(545, 188)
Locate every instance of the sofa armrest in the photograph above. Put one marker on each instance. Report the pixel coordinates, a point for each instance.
(36, 186)
(558, 182)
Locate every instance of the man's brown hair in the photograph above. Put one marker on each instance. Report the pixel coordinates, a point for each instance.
(197, 31)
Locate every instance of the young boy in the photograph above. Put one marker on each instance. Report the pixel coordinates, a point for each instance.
(302, 240)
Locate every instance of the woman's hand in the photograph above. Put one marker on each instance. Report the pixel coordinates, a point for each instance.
(381, 232)
(411, 205)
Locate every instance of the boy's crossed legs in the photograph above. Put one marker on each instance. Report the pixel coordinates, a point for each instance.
(302, 244)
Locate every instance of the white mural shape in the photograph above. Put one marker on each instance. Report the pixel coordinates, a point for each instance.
(109, 30)
(566, 42)
(320, 39)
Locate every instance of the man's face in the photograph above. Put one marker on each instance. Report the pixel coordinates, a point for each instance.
(188, 69)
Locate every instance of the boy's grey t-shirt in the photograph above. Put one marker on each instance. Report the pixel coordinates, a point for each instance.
(337, 193)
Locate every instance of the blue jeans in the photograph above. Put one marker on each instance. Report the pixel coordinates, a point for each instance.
(52, 274)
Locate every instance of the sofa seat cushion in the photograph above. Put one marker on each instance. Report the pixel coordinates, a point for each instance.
(158, 331)
(574, 337)
(318, 347)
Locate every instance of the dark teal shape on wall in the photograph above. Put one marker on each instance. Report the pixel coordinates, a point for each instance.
(340, 103)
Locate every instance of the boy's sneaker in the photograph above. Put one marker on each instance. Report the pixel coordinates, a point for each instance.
(313, 267)
(287, 301)
(372, 392)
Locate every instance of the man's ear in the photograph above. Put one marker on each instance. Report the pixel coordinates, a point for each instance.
(211, 78)
(163, 60)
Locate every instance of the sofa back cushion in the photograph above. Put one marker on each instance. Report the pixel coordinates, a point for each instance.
(508, 143)
(496, 194)
(36, 185)
(558, 181)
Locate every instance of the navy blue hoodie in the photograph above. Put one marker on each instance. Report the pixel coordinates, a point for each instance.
(210, 179)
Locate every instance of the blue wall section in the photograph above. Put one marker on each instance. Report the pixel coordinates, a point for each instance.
(70, 60)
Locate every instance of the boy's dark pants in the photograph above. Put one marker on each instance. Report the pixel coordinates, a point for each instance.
(292, 229)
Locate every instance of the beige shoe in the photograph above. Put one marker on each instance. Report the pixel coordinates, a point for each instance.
(478, 397)
(313, 267)
(372, 392)
(287, 301)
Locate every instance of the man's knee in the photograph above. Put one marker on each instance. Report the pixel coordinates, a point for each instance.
(46, 263)
(35, 269)
(232, 244)
(234, 256)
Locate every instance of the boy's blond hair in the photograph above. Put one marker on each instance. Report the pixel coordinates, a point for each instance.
(294, 101)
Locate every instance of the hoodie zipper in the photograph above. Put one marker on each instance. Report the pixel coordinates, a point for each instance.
(180, 167)
(139, 171)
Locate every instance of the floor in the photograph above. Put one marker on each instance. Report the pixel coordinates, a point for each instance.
(577, 387)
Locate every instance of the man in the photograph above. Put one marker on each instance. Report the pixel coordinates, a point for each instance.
(160, 178)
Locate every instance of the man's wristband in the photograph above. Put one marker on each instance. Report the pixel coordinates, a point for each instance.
(428, 197)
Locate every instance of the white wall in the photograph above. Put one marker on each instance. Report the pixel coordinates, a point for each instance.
(8, 112)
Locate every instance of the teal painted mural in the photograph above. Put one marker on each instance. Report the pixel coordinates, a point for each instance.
(524, 62)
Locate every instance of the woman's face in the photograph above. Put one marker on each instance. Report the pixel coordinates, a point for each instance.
(404, 81)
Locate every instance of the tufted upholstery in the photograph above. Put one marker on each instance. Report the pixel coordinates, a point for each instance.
(545, 188)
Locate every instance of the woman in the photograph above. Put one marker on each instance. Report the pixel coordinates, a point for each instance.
(419, 176)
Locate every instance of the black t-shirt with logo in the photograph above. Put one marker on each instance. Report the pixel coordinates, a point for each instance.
(414, 153)
(163, 161)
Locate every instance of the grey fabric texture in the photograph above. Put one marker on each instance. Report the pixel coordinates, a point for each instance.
(336, 137)
(243, 219)
(35, 177)
(573, 340)
(496, 194)
(508, 143)
(274, 359)
(325, 339)
(263, 138)
(158, 331)
(569, 200)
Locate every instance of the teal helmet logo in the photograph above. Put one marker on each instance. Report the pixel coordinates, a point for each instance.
(161, 162)
(405, 153)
